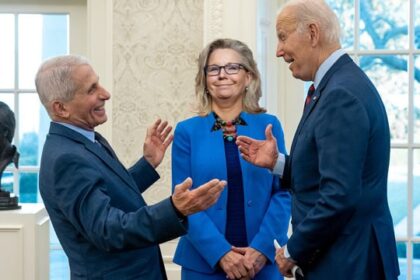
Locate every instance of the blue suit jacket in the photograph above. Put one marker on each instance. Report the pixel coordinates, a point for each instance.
(337, 171)
(98, 213)
(198, 152)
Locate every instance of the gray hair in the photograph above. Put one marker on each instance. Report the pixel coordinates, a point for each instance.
(54, 79)
(253, 93)
(316, 11)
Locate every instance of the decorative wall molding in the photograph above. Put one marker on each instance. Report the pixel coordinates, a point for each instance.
(235, 19)
(213, 20)
(155, 47)
(99, 51)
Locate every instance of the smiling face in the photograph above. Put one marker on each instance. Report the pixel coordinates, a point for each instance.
(227, 88)
(87, 108)
(296, 46)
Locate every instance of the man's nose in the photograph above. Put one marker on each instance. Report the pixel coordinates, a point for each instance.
(279, 50)
(104, 94)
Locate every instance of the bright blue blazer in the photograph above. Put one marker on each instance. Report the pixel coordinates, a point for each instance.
(198, 152)
(95, 205)
(337, 171)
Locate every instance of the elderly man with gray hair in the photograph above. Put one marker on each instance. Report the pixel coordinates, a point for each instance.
(95, 204)
(337, 169)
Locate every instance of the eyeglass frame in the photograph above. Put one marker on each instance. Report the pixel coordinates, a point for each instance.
(240, 66)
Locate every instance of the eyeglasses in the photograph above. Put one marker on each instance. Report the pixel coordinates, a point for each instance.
(230, 69)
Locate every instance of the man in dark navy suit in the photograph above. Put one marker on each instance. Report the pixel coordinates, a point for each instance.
(338, 164)
(95, 203)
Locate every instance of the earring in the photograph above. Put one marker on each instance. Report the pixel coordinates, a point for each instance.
(246, 89)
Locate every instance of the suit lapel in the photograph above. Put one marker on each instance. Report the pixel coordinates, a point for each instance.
(104, 143)
(113, 163)
(214, 139)
(315, 98)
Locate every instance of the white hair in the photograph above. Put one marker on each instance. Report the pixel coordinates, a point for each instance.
(54, 79)
(316, 11)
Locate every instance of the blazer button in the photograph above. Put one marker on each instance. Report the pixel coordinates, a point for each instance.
(250, 203)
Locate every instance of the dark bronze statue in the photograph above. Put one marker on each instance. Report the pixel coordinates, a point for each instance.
(8, 153)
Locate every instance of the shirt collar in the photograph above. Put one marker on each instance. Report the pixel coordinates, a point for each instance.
(326, 65)
(89, 134)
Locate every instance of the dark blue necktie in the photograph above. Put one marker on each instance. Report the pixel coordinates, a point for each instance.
(105, 145)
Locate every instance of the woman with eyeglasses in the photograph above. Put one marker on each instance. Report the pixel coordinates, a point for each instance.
(234, 238)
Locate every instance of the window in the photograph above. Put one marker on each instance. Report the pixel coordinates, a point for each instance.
(27, 40)
(30, 32)
(383, 37)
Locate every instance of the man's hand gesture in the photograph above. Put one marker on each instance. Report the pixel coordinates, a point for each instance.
(156, 142)
(262, 153)
(189, 201)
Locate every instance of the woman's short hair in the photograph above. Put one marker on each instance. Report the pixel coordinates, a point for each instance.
(253, 91)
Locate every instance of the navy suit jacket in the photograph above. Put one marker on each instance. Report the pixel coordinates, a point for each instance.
(337, 172)
(95, 205)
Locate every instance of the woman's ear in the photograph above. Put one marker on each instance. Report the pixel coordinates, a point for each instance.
(248, 79)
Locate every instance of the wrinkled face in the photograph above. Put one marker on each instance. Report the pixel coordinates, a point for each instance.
(295, 47)
(87, 108)
(224, 86)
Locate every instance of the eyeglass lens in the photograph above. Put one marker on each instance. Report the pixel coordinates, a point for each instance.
(230, 68)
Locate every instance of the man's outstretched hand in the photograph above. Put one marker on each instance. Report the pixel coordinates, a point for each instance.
(262, 153)
(191, 201)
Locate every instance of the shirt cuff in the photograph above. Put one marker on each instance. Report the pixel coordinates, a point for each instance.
(279, 167)
(181, 217)
(287, 254)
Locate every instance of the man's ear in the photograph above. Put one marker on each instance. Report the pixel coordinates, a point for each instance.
(59, 109)
(314, 33)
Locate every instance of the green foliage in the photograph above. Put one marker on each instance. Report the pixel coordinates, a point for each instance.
(28, 182)
(28, 149)
(28, 187)
(402, 250)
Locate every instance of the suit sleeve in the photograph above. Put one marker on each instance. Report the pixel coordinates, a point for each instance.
(143, 174)
(84, 200)
(276, 219)
(202, 232)
(341, 135)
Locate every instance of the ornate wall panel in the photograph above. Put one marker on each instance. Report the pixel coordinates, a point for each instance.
(155, 46)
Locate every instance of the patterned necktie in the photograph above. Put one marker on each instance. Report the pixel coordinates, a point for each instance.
(311, 91)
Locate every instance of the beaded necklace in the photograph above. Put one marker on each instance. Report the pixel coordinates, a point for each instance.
(228, 128)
